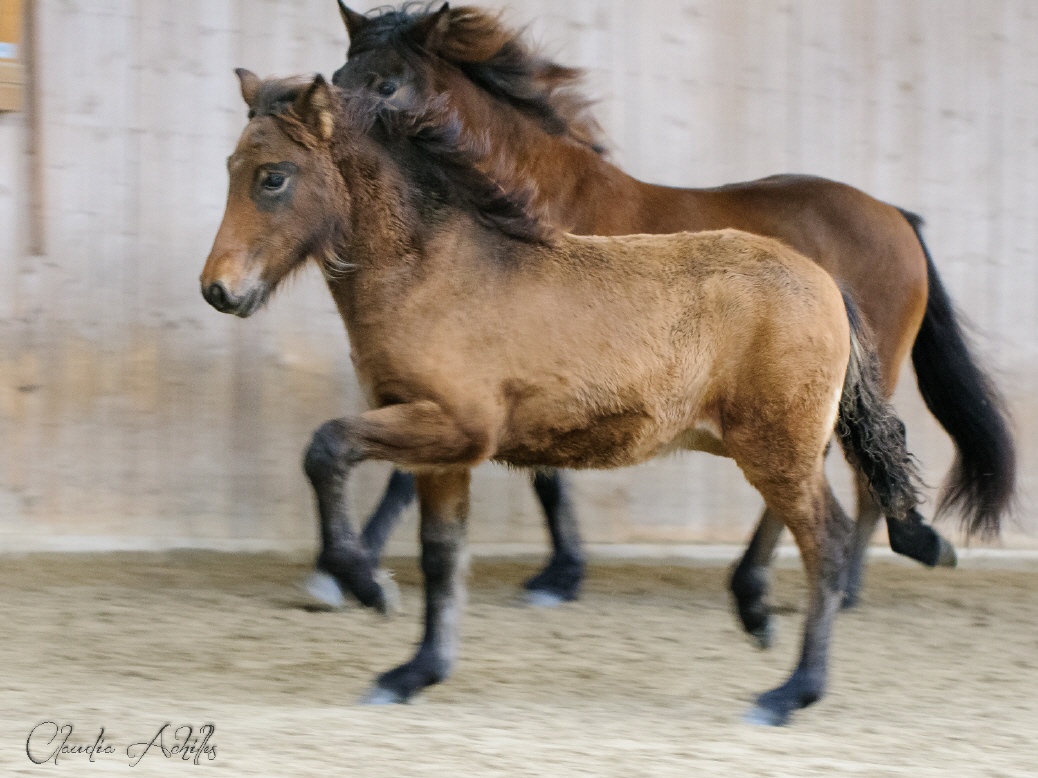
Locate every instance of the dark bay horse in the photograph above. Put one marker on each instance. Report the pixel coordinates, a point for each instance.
(529, 110)
(449, 287)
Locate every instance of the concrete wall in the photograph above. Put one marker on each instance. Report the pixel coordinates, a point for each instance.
(133, 414)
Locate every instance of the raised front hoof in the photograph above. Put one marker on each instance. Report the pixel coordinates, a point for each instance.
(330, 592)
(323, 591)
(404, 683)
(554, 585)
(775, 708)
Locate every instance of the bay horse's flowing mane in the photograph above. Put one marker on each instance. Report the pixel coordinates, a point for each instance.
(449, 164)
(493, 57)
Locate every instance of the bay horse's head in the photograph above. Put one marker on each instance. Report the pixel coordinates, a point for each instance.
(282, 196)
(414, 54)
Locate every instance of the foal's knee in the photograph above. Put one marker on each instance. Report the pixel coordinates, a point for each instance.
(330, 450)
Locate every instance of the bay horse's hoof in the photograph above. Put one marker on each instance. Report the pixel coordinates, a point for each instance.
(556, 584)
(323, 590)
(543, 599)
(377, 695)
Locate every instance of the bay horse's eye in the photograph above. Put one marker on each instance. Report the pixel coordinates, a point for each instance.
(273, 181)
(387, 88)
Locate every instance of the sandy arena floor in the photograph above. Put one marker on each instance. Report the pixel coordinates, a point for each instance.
(935, 675)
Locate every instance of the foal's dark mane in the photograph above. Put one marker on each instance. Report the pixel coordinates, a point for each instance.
(446, 164)
(494, 58)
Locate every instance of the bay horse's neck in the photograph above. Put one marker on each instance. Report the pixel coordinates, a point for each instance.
(578, 188)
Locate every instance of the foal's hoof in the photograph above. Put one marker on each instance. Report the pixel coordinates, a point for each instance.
(760, 716)
(377, 695)
(324, 590)
(947, 557)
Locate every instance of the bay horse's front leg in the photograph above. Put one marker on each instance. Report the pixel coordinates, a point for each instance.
(444, 500)
(560, 580)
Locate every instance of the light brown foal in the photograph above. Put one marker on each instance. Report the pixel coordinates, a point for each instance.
(450, 289)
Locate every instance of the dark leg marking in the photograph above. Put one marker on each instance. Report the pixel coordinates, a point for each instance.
(444, 498)
(560, 581)
(827, 573)
(750, 581)
(328, 462)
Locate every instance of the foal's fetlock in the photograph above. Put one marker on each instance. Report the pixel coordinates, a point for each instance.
(749, 587)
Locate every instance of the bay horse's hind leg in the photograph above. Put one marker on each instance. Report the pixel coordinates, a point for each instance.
(823, 539)
(750, 581)
(560, 581)
(444, 498)
(869, 515)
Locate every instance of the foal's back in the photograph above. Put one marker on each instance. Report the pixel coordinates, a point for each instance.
(618, 349)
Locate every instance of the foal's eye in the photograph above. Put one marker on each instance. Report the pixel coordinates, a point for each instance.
(273, 181)
(387, 87)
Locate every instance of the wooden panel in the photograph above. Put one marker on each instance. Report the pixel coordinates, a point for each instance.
(10, 55)
(131, 412)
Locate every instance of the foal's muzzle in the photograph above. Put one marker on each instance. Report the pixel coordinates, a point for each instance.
(218, 296)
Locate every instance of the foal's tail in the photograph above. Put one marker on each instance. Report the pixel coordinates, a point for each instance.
(968, 406)
(873, 437)
(871, 434)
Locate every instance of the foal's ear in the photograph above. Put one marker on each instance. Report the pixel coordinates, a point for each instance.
(250, 84)
(429, 33)
(354, 21)
(314, 106)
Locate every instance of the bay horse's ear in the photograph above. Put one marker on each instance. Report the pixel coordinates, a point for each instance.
(250, 84)
(429, 33)
(354, 21)
(314, 107)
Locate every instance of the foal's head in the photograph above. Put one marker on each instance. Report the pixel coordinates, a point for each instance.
(285, 199)
(410, 55)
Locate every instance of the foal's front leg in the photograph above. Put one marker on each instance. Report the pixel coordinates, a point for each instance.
(444, 499)
(409, 434)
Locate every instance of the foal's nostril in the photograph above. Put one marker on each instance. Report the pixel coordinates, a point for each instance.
(217, 296)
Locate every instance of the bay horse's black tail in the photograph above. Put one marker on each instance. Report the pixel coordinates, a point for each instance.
(871, 434)
(968, 406)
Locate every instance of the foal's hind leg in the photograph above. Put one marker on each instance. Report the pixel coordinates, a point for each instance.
(444, 497)
(751, 579)
(823, 539)
(560, 580)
